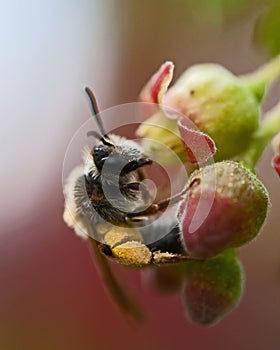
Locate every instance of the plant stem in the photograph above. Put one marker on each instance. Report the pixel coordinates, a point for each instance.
(269, 127)
(263, 77)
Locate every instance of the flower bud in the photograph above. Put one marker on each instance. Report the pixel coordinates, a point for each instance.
(276, 163)
(276, 149)
(187, 143)
(219, 104)
(225, 207)
(212, 288)
(159, 133)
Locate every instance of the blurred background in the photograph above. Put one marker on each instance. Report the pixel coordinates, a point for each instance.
(51, 296)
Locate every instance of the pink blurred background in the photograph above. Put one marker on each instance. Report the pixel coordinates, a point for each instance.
(51, 296)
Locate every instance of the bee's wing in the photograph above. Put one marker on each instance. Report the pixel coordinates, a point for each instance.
(119, 295)
(84, 228)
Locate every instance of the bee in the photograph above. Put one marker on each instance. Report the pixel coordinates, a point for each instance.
(107, 202)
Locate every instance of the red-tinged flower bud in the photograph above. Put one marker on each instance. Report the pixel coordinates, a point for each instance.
(225, 207)
(276, 158)
(219, 104)
(212, 288)
(276, 163)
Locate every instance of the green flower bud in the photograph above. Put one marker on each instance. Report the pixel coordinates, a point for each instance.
(219, 104)
(161, 133)
(212, 288)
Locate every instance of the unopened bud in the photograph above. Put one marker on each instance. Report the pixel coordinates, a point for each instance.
(238, 204)
(212, 288)
(219, 104)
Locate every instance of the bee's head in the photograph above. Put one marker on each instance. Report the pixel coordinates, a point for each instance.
(121, 157)
(100, 154)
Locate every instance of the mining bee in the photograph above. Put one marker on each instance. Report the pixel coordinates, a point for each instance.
(107, 202)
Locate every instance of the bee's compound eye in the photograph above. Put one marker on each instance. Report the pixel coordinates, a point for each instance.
(100, 155)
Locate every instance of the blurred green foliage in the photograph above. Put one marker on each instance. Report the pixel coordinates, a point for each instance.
(219, 9)
(267, 31)
(267, 28)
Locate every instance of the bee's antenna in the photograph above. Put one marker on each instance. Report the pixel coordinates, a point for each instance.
(95, 110)
(99, 137)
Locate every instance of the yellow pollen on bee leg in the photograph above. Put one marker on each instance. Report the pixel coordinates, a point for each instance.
(132, 253)
(163, 257)
(118, 235)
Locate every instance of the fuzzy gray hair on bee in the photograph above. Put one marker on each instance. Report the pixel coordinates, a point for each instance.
(111, 179)
(108, 203)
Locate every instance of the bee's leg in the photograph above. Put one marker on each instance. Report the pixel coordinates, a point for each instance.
(141, 175)
(117, 292)
(156, 207)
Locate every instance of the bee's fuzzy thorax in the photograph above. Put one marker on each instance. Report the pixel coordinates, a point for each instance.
(89, 166)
